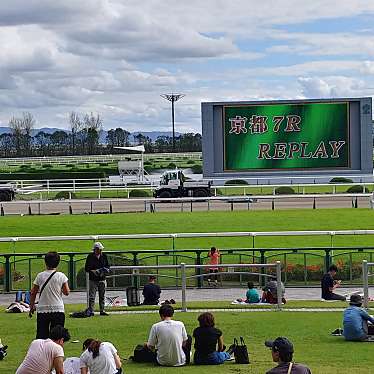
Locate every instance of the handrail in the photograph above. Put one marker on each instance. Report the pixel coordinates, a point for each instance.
(187, 235)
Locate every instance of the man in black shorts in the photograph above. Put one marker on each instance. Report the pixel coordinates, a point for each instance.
(328, 285)
(282, 352)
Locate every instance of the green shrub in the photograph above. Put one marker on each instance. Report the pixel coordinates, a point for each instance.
(233, 182)
(147, 162)
(139, 193)
(190, 162)
(47, 166)
(171, 165)
(103, 164)
(284, 190)
(197, 169)
(357, 189)
(341, 180)
(65, 195)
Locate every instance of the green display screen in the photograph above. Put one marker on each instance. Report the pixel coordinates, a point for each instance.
(286, 136)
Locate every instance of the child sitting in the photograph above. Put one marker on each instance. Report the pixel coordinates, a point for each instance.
(252, 295)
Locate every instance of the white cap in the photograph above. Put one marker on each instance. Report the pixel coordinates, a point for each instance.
(98, 245)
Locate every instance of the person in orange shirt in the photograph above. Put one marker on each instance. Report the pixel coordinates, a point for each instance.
(213, 256)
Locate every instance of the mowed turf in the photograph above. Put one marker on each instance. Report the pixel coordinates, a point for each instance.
(130, 223)
(310, 333)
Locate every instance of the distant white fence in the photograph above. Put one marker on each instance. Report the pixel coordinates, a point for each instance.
(96, 158)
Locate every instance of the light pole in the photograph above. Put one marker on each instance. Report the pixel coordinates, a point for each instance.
(172, 98)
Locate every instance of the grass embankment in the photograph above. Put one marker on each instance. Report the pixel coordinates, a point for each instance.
(309, 332)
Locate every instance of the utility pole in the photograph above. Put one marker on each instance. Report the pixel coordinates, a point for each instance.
(172, 98)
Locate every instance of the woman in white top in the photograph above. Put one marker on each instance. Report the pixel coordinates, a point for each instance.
(100, 358)
(51, 285)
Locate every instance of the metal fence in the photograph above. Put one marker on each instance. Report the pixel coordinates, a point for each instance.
(183, 277)
(301, 266)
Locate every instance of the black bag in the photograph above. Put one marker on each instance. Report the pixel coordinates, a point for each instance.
(143, 354)
(241, 352)
(132, 296)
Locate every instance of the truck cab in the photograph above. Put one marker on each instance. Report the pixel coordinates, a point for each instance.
(173, 183)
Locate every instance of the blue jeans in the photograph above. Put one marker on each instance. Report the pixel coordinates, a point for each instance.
(214, 358)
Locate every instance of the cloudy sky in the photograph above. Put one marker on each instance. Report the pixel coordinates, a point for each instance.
(115, 57)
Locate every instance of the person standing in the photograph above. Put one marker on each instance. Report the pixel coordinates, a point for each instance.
(97, 266)
(51, 285)
(151, 292)
(44, 355)
(214, 257)
(328, 285)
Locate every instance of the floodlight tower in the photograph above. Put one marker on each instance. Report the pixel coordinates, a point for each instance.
(172, 98)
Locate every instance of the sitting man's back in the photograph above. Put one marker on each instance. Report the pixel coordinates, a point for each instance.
(44, 355)
(151, 292)
(168, 337)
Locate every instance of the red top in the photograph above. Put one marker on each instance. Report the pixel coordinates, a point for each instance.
(214, 259)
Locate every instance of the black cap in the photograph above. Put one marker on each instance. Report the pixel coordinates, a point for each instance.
(280, 344)
(355, 299)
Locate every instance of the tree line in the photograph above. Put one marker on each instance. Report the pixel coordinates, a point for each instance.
(83, 138)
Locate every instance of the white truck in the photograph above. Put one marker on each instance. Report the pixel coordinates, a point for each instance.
(7, 192)
(175, 184)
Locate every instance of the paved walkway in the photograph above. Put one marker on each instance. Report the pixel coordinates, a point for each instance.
(205, 294)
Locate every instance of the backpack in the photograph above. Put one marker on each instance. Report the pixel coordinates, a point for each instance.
(143, 354)
(132, 296)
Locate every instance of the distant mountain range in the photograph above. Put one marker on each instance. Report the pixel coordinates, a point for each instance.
(49, 130)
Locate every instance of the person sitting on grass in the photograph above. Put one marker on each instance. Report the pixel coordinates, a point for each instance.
(355, 321)
(328, 285)
(99, 358)
(270, 293)
(209, 347)
(44, 355)
(251, 296)
(170, 339)
(151, 292)
(282, 353)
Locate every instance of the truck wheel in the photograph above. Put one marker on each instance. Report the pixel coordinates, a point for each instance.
(200, 192)
(165, 195)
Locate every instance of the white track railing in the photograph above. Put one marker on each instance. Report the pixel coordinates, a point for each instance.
(183, 276)
(173, 236)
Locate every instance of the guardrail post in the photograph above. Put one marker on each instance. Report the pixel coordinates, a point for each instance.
(198, 270)
(2, 210)
(184, 285)
(135, 277)
(365, 279)
(279, 285)
(71, 272)
(262, 260)
(327, 259)
(8, 276)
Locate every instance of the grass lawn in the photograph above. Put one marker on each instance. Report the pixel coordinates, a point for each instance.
(129, 223)
(308, 331)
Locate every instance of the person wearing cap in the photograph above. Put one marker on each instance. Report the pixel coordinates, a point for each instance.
(355, 321)
(97, 266)
(282, 353)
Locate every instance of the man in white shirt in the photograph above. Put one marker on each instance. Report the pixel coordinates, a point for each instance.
(46, 354)
(170, 339)
(50, 284)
